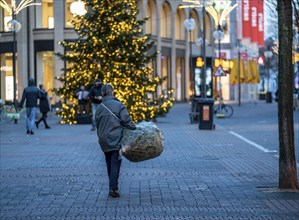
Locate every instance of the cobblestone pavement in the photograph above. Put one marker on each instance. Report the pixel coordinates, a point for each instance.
(202, 174)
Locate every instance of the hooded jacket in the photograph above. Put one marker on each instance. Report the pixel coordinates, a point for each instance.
(95, 91)
(31, 94)
(109, 128)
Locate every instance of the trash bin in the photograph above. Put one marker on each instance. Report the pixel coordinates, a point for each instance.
(206, 113)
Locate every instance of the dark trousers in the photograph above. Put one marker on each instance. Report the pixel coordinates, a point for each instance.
(44, 119)
(113, 162)
(83, 107)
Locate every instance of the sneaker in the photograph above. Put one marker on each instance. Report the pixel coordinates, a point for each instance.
(28, 132)
(31, 132)
(92, 129)
(114, 193)
(48, 127)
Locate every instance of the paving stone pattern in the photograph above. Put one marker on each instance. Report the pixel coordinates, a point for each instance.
(60, 173)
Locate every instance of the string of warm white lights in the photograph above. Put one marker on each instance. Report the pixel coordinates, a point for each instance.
(219, 18)
(16, 9)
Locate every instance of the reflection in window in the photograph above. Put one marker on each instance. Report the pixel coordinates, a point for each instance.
(45, 70)
(4, 18)
(46, 13)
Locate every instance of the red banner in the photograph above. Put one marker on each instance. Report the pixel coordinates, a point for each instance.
(254, 21)
(246, 17)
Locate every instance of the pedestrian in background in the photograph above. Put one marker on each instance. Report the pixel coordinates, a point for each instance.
(44, 106)
(95, 94)
(82, 96)
(31, 94)
(111, 118)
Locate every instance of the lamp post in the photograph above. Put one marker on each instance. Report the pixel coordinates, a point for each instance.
(268, 54)
(239, 69)
(219, 35)
(190, 25)
(203, 82)
(15, 27)
(201, 4)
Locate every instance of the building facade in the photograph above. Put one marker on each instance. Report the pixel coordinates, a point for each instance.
(45, 25)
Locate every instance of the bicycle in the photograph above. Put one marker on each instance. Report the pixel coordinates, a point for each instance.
(9, 113)
(226, 111)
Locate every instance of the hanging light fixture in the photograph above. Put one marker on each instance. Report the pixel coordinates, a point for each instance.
(78, 8)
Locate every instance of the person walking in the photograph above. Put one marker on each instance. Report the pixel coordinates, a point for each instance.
(95, 94)
(44, 106)
(31, 94)
(111, 118)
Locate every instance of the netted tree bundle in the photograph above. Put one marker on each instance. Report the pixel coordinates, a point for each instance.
(146, 142)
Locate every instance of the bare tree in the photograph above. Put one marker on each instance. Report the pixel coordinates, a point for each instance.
(271, 22)
(287, 162)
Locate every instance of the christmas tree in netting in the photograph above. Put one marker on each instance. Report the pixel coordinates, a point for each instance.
(111, 46)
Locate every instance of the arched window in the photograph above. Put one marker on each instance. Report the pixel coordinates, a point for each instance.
(166, 20)
(179, 24)
(151, 14)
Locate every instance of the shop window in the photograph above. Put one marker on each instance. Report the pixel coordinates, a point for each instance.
(165, 65)
(5, 17)
(180, 79)
(46, 13)
(6, 72)
(45, 70)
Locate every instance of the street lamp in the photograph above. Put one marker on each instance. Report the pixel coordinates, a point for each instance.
(78, 8)
(190, 25)
(15, 27)
(219, 13)
(268, 54)
(219, 35)
(201, 4)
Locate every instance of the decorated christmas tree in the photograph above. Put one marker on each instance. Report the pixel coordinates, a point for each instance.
(111, 46)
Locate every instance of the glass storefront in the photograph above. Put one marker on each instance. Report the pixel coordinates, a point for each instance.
(180, 79)
(45, 70)
(165, 73)
(7, 86)
(46, 12)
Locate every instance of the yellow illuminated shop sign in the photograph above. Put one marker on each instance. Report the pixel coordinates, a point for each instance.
(226, 64)
(199, 62)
